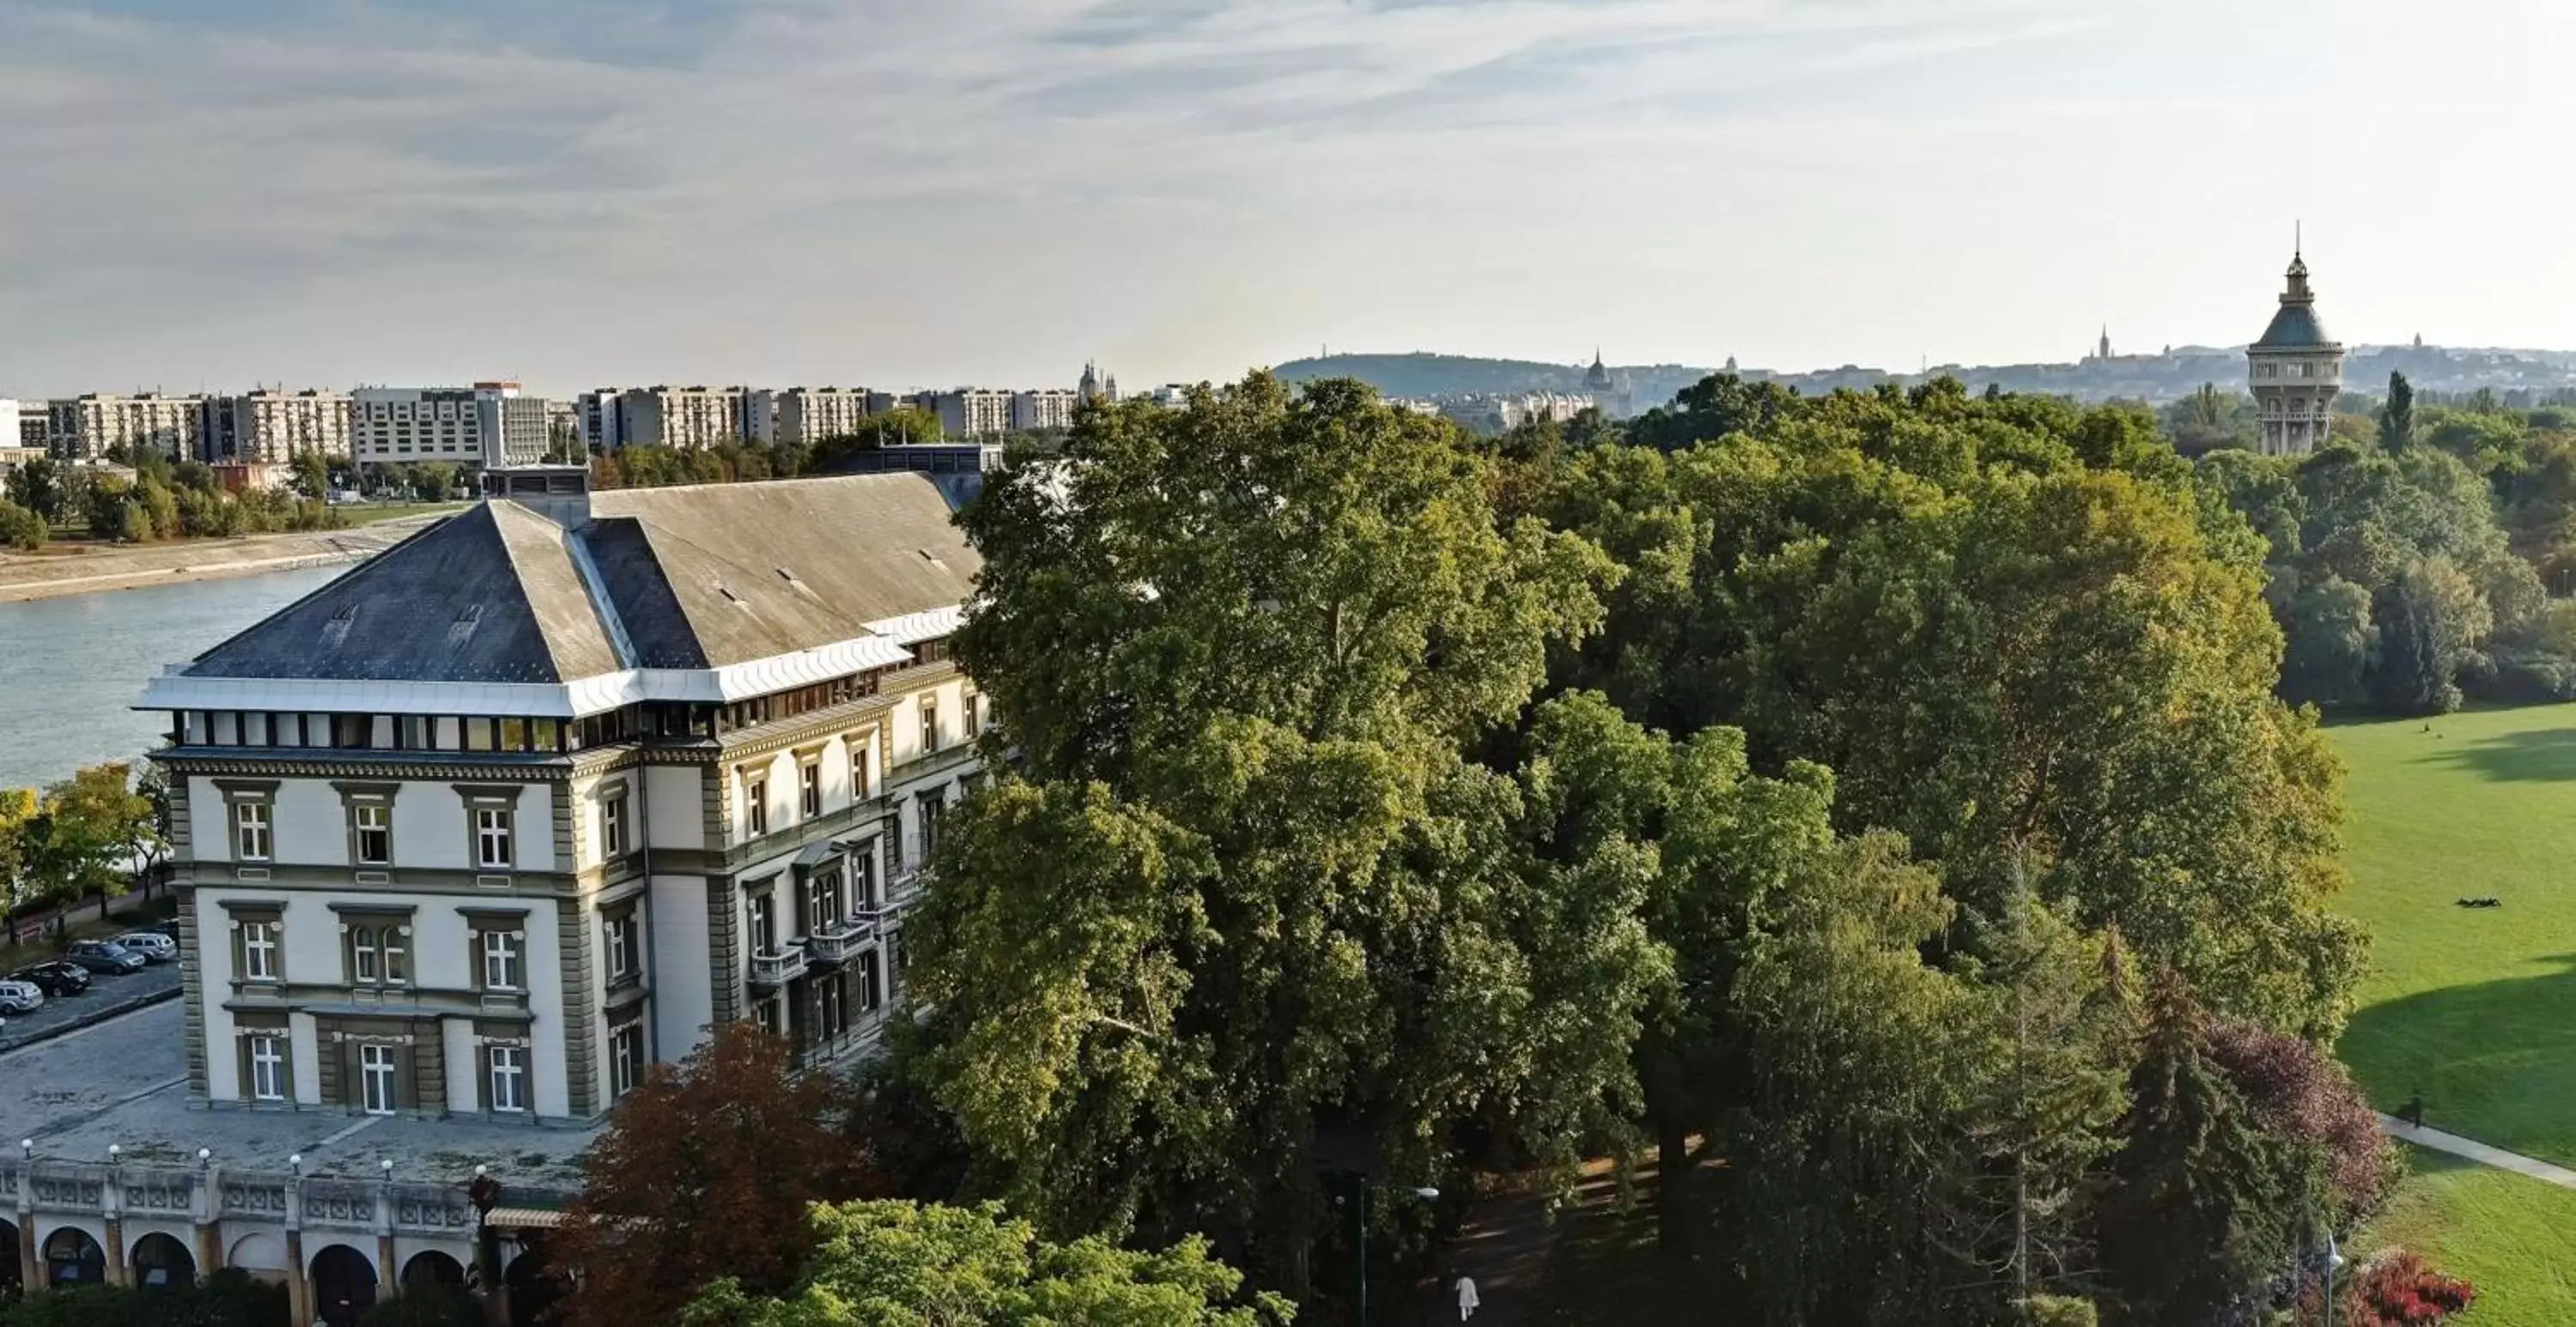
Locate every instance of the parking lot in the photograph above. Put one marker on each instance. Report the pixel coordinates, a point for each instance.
(106, 997)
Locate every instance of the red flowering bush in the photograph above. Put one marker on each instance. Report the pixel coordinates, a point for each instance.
(2396, 1291)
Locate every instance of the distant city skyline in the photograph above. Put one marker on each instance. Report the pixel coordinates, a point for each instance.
(570, 192)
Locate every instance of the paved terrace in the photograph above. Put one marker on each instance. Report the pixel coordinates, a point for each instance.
(124, 1082)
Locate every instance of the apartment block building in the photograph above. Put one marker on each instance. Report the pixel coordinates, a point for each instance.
(34, 427)
(10, 436)
(1045, 408)
(489, 424)
(599, 419)
(529, 802)
(807, 415)
(269, 427)
(696, 417)
(969, 412)
(87, 428)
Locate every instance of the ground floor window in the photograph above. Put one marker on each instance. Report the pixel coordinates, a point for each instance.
(377, 1074)
(509, 1072)
(625, 1059)
(267, 1067)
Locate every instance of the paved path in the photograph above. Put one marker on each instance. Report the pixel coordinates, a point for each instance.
(2479, 1152)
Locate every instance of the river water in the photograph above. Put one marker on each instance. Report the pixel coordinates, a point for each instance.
(70, 668)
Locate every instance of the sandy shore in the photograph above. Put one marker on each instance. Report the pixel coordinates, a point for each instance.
(25, 577)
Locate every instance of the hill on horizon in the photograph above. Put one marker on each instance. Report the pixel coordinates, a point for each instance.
(1423, 373)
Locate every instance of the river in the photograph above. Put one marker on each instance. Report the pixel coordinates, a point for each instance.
(70, 668)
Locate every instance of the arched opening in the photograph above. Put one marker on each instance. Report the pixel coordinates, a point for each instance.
(72, 1258)
(533, 1285)
(432, 1269)
(344, 1285)
(161, 1262)
(261, 1252)
(9, 1286)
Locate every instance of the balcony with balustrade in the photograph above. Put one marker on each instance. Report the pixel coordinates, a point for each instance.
(839, 942)
(771, 970)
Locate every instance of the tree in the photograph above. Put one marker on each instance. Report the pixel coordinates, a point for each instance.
(21, 529)
(38, 487)
(228, 1297)
(1250, 906)
(133, 522)
(18, 886)
(705, 1172)
(2429, 618)
(85, 835)
(2397, 418)
(312, 475)
(901, 1263)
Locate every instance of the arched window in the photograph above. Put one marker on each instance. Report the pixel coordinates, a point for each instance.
(362, 954)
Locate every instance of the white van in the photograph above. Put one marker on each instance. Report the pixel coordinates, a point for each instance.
(20, 997)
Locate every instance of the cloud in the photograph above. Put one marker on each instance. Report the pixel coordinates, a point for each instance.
(579, 182)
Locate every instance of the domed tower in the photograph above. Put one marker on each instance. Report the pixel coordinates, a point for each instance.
(1090, 388)
(2295, 370)
(1609, 395)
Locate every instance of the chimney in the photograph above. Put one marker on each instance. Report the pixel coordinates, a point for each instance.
(560, 493)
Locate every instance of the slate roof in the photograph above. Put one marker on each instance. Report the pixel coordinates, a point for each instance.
(693, 577)
(2295, 327)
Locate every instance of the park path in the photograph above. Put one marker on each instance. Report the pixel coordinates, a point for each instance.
(2479, 1152)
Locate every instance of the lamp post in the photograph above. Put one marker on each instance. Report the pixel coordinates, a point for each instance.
(2334, 1263)
(1424, 1192)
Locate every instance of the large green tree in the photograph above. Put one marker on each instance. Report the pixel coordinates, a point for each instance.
(897, 1264)
(1253, 911)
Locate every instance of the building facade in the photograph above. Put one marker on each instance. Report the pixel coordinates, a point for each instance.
(690, 418)
(529, 802)
(808, 415)
(487, 424)
(1044, 408)
(2295, 371)
(267, 427)
(969, 412)
(87, 428)
(600, 418)
(35, 426)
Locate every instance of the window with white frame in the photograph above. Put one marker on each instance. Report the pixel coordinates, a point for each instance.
(973, 714)
(377, 954)
(371, 833)
(809, 790)
(764, 925)
(755, 805)
(625, 1059)
(252, 841)
(362, 955)
(508, 1066)
(259, 949)
(500, 960)
(379, 1068)
(823, 903)
(266, 1055)
(859, 748)
(494, 845)
(625, 954)
(612, 827)
(929, 721)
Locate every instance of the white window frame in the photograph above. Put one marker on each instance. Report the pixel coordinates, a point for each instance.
(809, 789)
(501, 955)
(507, 1069)
(383, 829)
(363, 956)
(612, 827)
(379, 1067)
(621, 934)
(625, 1059)
(261, 947)
(254, 831)
(755, 805)
(495, 825)
(267, 1052)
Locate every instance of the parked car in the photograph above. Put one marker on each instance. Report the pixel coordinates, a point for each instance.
(152, 945)
(18, 997)
(167, 926)
(56, 979)
(104, 956)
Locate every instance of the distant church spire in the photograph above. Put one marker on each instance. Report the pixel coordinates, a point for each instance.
(2103, 349)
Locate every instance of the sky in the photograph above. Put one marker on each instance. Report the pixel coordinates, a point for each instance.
(209, 194)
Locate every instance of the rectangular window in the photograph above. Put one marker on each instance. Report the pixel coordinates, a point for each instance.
(625, 1059)
(755, 805)
(623, 954)
(764, 925)
(929, 721)
(823, 903)
(514, 734)
(371, 830)
(349, 732)
(859, 748)
(259, 950)
(973, 714)
(251, 841)
(612, 827)
(509, 1078)
(376, 1077)
(809, 790)
(930, 808)
(493, 847)
(478, 734)
(500, 961)
(267, 1067)
(417, 732)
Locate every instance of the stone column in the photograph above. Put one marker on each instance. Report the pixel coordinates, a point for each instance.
(111, 1195)
(210, 1225)
(386, 1275)
(299, 1288)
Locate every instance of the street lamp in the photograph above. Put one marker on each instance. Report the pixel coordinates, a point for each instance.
(1423, 1192)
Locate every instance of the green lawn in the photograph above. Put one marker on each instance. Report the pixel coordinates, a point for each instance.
(394, 511)
(2514, 1238)
(2474, 1008)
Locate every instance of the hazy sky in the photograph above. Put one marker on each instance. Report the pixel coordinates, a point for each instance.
(912, 192)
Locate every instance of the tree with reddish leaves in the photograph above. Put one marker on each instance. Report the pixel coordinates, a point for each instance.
(706, 1171)
(2301, 1095)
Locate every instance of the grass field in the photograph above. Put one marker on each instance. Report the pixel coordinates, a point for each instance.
(395, 511)
(2474, 1008)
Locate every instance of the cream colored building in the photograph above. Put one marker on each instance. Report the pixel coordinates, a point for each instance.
(1044, 408)
(86, 428)
(487, 424)
(970, 412)
(690, 418)
(2295, 371)
(274, 427)
(808, 415)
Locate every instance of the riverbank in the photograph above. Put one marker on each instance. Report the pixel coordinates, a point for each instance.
(123, 567)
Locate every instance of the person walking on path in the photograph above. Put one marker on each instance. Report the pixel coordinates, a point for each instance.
(1467, 1301)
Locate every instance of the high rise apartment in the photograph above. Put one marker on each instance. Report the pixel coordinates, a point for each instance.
(87, 428)
(808, 415)
(267, 427)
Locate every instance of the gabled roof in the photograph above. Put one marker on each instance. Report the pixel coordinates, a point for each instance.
(488, 595)
(696, 578)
